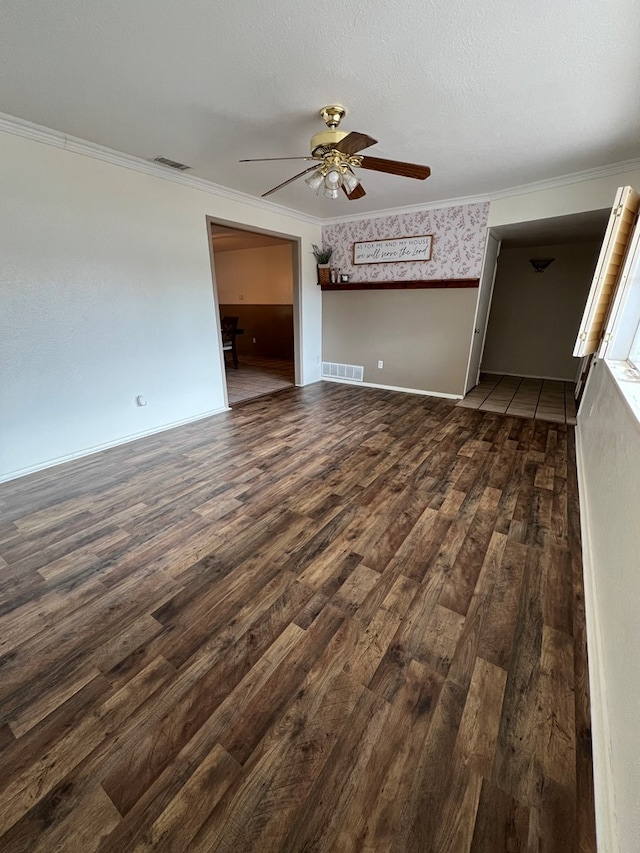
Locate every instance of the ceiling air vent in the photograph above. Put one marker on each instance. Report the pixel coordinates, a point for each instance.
(173, 164)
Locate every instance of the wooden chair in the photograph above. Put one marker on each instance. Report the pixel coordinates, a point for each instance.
(229, 328)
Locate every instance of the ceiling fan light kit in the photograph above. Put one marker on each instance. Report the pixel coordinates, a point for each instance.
(334, 174)
(337, 152)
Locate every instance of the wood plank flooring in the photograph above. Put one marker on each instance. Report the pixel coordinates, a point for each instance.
(332, 619)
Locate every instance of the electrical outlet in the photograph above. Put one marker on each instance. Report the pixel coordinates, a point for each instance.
(380, 364)
(241, 297)
(254, 340)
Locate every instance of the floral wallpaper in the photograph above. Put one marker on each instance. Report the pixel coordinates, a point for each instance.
(458, 243)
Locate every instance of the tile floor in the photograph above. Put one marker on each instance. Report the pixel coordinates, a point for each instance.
(543, 399)
(256, 376)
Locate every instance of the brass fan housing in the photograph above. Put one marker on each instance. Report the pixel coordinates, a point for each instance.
(332, 115)
(321, 142)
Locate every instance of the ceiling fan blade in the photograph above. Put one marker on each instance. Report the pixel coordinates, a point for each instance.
(396, 167)
(357, 193)
(289, 181)
(268, 159)
(354, 142)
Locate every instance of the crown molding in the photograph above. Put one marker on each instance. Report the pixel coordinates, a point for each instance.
(522, 189)
(565, 180)
(48, 136)
(410, 208)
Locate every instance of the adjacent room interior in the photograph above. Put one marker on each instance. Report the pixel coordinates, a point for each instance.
(255, 275)
(543, 275)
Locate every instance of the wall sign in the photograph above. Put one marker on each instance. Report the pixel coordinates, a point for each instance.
(392, 251)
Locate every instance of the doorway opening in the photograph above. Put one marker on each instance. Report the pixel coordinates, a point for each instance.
(524, 362)
(256, 293)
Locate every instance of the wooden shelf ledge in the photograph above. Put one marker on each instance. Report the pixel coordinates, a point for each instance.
(404, 285)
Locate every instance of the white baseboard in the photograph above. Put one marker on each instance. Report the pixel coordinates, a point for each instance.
(89, 451)
(394, 388)
(604, 793)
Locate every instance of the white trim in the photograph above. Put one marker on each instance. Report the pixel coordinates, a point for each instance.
(467, 386)
(534, 186)
(393, 388)
(38, 133)
(627, 380)
(482, 292)
(98, 448)
(410, 208)
(570, 178)
(605, 802)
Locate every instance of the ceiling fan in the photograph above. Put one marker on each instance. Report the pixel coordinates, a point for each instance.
(336, 153)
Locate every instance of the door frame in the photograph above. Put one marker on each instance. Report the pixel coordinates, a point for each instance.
(485, 296)
(296, 273)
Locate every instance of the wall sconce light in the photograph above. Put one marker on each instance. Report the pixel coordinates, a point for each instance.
(540, 264)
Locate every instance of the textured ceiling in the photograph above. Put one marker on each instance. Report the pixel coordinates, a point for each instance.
(491, 95)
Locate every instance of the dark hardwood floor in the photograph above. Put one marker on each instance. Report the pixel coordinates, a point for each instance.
(333, 619)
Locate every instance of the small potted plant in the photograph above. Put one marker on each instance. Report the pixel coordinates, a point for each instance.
(322, 254)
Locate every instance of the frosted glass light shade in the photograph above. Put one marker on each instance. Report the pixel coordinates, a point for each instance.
(333, 179)
(350, 181)
(315, 181)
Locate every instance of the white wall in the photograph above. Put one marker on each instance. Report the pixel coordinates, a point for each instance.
(106, 292)
(609, 463)
(260, 276)
(535, 317)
